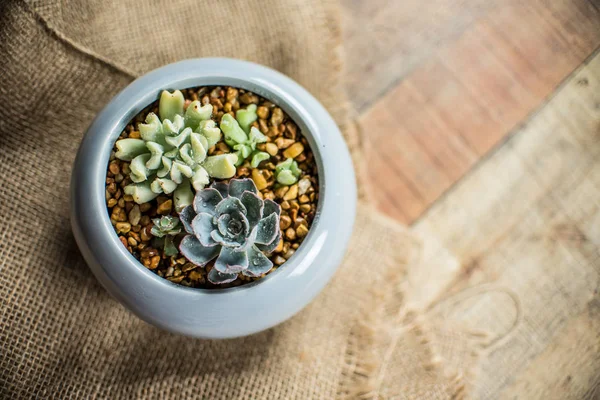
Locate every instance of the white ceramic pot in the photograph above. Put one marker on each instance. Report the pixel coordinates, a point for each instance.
(215, 313)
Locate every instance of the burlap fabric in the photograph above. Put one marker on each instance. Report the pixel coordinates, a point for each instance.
(62, 336)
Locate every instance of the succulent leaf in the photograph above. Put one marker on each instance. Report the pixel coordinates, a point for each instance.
(210, 131)
(259, 157)
(202, 226)
(238, 186)
(170, 104)
(140, 192)
(230, 204)
(206, 201)
(191, 248)
(270, 207)
(197, 113)
(231, 261)
(246, 117)
(152, 130)
(222, 187)
(254, 207)
(257, 136)
(267, 229)
(200, 178)
(186, 216)
(183, 196)
(219, 278)
(258, 263)
(156, 150)
(178, 139)
(221, 166)
(166, 167)
(128, 149)
(139, 172)
(199, 146)
(232, 130)
(269, 248)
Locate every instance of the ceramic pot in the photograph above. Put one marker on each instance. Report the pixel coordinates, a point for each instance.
(215, 313)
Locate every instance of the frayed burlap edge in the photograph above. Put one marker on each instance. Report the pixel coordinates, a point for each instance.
(386, 312)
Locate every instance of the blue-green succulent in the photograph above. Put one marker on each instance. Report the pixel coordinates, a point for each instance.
(231, 223)
(172, 152)
(241, 136)
(287, 172)
(165, 229)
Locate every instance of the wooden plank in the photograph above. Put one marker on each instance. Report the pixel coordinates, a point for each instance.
(527, 221)
(386, 39)
(437, 123)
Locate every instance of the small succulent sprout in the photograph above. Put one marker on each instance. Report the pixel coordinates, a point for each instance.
(287, 172)
(240, 135)
(165, 229)
(259, 157)
(173, 150)
(230, 223)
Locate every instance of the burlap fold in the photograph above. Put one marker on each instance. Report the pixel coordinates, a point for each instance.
(62, 336)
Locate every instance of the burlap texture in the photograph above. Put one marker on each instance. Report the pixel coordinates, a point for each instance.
(62, 336)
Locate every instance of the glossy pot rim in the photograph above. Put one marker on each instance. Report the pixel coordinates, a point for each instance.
(213, 312)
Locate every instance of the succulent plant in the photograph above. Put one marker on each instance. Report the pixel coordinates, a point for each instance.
(240, 135)
(287, 172)
(165, 229)
(235, 226)
(171, 153)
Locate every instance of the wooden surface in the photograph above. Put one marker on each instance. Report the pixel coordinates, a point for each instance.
(436, 90)
(481, 122)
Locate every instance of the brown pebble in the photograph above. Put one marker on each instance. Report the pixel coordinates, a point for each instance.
(262, 126)
(259, 179)
(165, 208)
(176, 279)
(145, 207)
(112, 188)
(294, 150)
(293, 214)
(285, 205)
(195, 275)
(284, 222)
(288, 254)
(276, 116)
(262, 112)
(123, 227)
(292, 193)
(281, 191)
(114, 168)
(111, 203)
(123, 240)
(305, 208)
(283, 143)
(119, 178)
(272, 149)
(304, 199)
(249, 98)
(121, 202)
(128, 197)
(269, 195)
(118, 215)
(145, 233)
(134, 215)
(132, 241)
(279, 246)
(232, 93)
(279, 260)
(301, 231)
(290, 234)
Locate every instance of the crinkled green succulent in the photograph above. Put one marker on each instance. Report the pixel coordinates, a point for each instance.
(234, 225)
(287, 172)
(165, 229)
(241, 136)
(171, 153)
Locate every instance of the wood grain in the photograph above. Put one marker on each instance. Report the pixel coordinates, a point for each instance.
(467, 95)
(527, 222)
